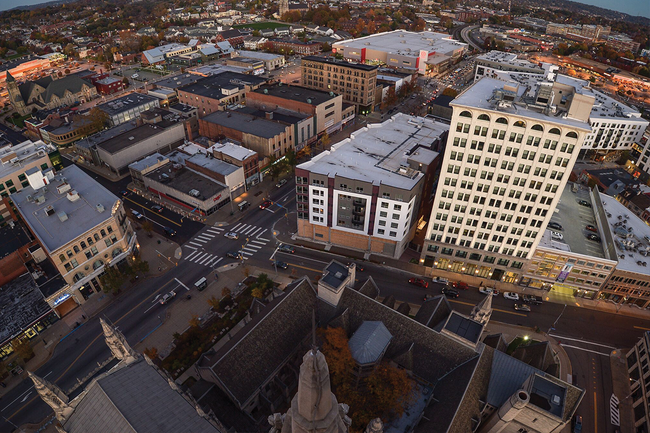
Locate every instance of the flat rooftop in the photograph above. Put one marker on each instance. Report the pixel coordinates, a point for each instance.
(233, 150)
(105, 135)
(108, 80)
(12, 238)
(215, 165)
(297, 93)
(378, 153)
(185, 180)
(82, 214)
(258, 55)
(21, 304)
(479, 95)
(343, 63)
(509, 59)
(134, 136)
(573, 218)
(173, 83)
(279, 114)
(22, 154)
(247, 123)
(406, 43)
(125, 103)
(147, 162)
(631, 236)
(214, 69)
(211, 87)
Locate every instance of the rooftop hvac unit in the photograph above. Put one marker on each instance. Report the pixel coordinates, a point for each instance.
(100, 207)
(63, 188)
(72, 195)
(195, 193)
(62, 216)
(49, 210)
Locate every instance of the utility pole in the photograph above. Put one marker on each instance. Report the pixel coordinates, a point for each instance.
(556, 320)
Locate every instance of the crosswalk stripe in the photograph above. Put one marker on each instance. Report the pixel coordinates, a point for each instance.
(255, 247)
(196, 259)
(204, 260)
(258, 236)
(192, 248)
(207, 234)
(209, 262)
(249, 250)
(263, 239)
(191, 254)
(257, 242)
(220, 229)
(257, 230)
(245, 258)
(250, 231)
(243, 228)
(246, 253)
(203, 241)
(237, 226)
(194, 243)
(216, 232)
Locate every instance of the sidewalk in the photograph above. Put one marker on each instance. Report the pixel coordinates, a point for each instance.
(45, 343)
(621, 388)
(284, 231)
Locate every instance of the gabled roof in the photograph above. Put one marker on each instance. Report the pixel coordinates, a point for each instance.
(135, 398)
(369, 342)
(59, 87)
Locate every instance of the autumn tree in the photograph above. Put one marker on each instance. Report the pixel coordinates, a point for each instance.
(112, 279)
(152, 352)
(325, 139)
(258, 292)
(213, 302)
(140, 266)
(147, 227)
(225, 292)
(98, 118)
(450, 92)
(194, 321)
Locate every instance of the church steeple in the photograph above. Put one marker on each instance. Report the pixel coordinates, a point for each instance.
(118, 344)
(483, 310)
(10, 78)
(15, 96)
(53, 396)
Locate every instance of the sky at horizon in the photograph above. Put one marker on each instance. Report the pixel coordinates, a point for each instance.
(632, 7)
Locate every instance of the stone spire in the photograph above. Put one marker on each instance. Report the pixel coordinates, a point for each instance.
(314, 408)
(483, 310)
(375, 426)
(10, 78)
(118, 344)
(53, 396)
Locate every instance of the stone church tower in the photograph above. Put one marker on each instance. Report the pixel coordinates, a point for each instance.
(284, 7)
(314, 408)
(14, 95)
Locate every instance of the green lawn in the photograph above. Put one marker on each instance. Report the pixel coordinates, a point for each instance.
(260, 26)
(20, 121)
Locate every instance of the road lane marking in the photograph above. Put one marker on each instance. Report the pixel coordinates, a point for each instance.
(206, 239)
(207, 258)
(171, 221)
(194, 243)
(584, 350)
(246, 253)
(214, 230)
(252, 230)
(192, 248)
(320, 271)
(242, 228)
(253, 233)
(595, 414)
(208, 235)
(642, 328)
(199, 257)
(268, 209)
(494, 309)
(179, 282)
(302, 257)
(236, 227)
(258, 236)
(258, 242)
(255, 247)
(203, 241)
(263, 239)
(581, 341)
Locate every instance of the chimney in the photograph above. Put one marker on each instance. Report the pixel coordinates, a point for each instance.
(269, 115)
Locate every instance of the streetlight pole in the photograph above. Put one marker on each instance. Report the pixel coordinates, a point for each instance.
(556, 320)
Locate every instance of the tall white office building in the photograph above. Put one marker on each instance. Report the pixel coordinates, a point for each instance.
(510, 150)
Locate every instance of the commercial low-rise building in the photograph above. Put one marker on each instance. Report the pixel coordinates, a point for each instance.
(80, 225)
(128, 107)
(494, 60)
(218, 92)
(424, 52)
(365, 193)
(271, 61)
(637, 368)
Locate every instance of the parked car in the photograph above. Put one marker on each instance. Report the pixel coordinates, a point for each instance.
(286, 249)
(137, 214)
(279, 264)
(265, 204)
(440, 280)
(124, 193)
(522, 307)
(459, 285)
(584, 203)
(231, 235)
(532, 300)
(577, 424)
(419, 282)
(449, 292)
(232, 254)
(167, 297)
(157, 208)
(593, 237)
(557, 235)
(488, 291)
(281, 183)
(511, 295)
(169, 231)
(591, 228)
(554, 226)
(358, 266)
